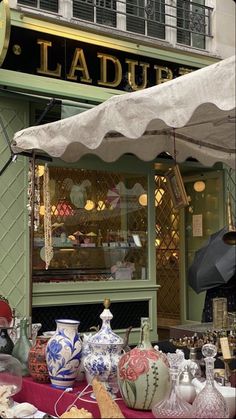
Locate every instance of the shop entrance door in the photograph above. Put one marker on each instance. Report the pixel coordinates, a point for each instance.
(176, 242)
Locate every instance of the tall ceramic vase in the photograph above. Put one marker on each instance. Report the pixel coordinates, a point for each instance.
(63, 353)
(143, 373)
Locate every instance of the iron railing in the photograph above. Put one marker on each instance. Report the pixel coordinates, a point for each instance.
(179, 21)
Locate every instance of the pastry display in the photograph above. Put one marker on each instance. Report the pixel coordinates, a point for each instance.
(107, 406)
(74, 412)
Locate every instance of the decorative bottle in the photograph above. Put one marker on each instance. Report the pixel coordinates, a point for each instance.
(173, 406)
(210, 403)
(22, 347)
(143, 373)
(185, 386)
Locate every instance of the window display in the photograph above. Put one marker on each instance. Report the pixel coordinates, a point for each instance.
(98, 226)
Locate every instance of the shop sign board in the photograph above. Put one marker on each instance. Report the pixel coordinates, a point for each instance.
(49, 55)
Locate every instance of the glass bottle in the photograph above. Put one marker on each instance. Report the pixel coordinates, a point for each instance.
(173, 406)
(22, 347)
(210, 403)
(195, 365)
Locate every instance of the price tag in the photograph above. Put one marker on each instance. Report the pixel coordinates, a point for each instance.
(224, 343)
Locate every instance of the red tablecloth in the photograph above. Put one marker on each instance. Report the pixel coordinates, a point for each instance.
(44, 397)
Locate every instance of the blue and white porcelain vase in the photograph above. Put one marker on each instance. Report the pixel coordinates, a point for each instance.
(63, 353)
(105, 350)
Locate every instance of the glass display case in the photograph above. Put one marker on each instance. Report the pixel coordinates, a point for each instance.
(99, 226)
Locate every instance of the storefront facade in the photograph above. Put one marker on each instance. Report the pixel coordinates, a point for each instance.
(129, 248)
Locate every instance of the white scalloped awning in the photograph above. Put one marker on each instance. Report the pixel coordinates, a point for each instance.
(199, 105)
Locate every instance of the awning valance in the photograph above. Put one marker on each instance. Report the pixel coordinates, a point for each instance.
(199, 106)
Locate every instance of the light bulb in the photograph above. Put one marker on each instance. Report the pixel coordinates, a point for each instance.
(89, 205)
(143, 200)
(199, 186)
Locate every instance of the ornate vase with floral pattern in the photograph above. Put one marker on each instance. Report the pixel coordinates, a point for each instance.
(63, 353)
(37, 360)
(143, 373)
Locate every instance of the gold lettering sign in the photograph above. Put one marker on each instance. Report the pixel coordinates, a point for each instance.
(43, 69)
(163, 74)
(131, 74)
(184, 70)
(79, 64)
(138, 74)
(104, 58)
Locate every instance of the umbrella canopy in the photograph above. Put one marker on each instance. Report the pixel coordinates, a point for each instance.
(213, 265)
(199, 105)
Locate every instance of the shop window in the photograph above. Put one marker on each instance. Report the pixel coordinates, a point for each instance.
(99, 227)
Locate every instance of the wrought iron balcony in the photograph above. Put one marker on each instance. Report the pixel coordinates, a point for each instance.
(178, 21)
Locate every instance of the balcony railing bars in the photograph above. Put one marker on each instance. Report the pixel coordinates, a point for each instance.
(190, 19)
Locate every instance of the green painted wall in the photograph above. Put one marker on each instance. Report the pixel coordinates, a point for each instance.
(14, 243)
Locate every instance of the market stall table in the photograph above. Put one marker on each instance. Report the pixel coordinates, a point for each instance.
(44, 397)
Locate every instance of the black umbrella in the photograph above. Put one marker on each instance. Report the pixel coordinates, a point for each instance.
(213, 264)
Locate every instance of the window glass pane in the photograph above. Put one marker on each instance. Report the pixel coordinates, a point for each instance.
(135, 16)
(155, 11)
(83, 9)
(198, 25)
(191, 17)
(99, 227)
(183, 8)
(105, 12)
(32, 3)
(50, 5)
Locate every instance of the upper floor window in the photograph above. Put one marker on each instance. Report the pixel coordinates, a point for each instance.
(98, 11)
(192, 25)
(146, 17)
(154, 18)
(48, 5)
